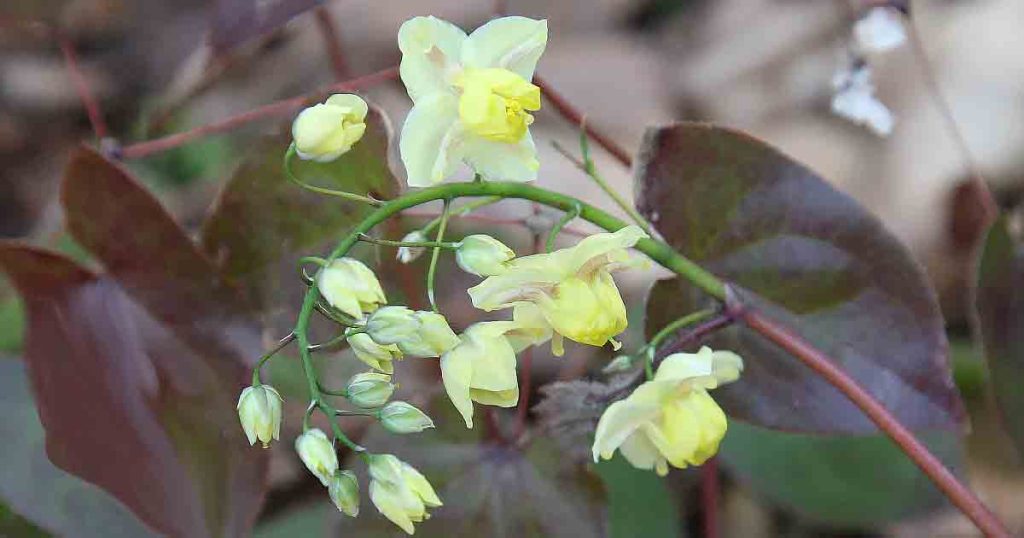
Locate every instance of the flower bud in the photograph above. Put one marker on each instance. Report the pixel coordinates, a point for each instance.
(392, 324)
(370, 389)
(259, 411)
(377, 356)
(402, 417)
(400, 492)
(351, 287)
(344, 492)
(325, 131)
(483, 255)
(433, 337)
(409, 254)
(317, 453)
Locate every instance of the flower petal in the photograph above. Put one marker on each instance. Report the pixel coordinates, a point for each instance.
(356, 105)
(513, 43)
(430, 140)
(388, 501)
(502, 161)
(456, 373)
(624, 417)
(431, 48)
(640, 452)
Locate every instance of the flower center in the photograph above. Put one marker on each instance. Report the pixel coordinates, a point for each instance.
(494, 103)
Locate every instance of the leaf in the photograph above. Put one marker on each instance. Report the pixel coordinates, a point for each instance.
(639, 502)
(51, 498)
(261, 218)
(130, 406)
(840, 480)
(236, 21)
(999, 298)
(821, 265)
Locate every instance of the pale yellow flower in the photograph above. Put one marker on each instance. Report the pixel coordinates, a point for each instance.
(344, 492)
(369, 389)
(317, 452)
(420, 333)
(403, 417)
(670, 420)
(400, 492)
(472, 98)
(377, 356)
(259, 411)
(325, 131)
(483, 255)
(482, 368)
(350, 286)
(572, 287)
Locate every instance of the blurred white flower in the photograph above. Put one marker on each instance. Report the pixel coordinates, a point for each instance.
(879, 30)
(409, 254)
(855, 100)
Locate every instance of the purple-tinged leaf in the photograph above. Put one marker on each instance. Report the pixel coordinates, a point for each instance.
(999, 298)
(817, 262)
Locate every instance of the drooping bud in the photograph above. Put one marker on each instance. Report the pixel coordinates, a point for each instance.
(351, 287)
(400, 492)
(325, 131)
(317, 453)
(259, 411)
(370, 389)
(409, 254)
(433, 337)
(402, 417)
(483, 255)
(377, 356)
(344, 492)
(392, 324)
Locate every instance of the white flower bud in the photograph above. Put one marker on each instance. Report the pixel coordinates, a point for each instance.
(855, 100)
(325, 131)
(433, 337)
(377, 356)
(317, 453)
(409, 254)
(370, 389)
(344, 492)
(351, 287)
(392, 324)
(402, 417)
(879, 30)
(483, 255)
(259, 411)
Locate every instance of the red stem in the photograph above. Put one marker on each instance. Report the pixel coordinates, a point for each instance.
(959, 494)
(569, 112)
(142, 149)
(332, 43)
(709, 497)
(92, 107)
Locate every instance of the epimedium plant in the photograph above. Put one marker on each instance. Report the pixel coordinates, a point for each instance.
(796, 290)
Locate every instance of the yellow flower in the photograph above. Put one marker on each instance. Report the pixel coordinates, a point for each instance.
(317, 453)
(351, 287)
(417, 334)
(259, 411)
(572, 288)
(377, 356)
(670, 420)
(400, 492)
(472, 98)
(325, 131)
(482, 368)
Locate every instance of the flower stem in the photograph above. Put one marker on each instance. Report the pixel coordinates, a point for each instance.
(413, 244)
(321, 190)
(557, 228)
(460, 211)
(432, 269)
(591, 170)
(687, 320)
(273, 351)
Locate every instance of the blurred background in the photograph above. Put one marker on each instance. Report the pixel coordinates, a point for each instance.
(156, 67)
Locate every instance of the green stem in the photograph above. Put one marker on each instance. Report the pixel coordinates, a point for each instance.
(321, 190)
(432, 270)
(591, 170)
(331, 413)
(557, 228)
(464, 209)
(689, 319)
(278, 347)
(411, 244)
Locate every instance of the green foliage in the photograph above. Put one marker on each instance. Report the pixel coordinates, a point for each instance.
(816, 262)
(639, 502)
(1000, 304)
(843, 481)
(12, 324)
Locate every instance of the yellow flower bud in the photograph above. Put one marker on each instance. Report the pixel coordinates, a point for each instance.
(344, 492)
(400, 492)
(433, 337)
(402, 417)
(259, 411)
(317, 453)
(369, 389)
(350, 286)
(670, 420)
(325, 131)
(392, 324)
(483, 255)
(377, 356)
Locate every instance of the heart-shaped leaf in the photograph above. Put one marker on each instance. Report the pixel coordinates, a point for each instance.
(818, 262)
(1000, 323)
(839, 480)
(261, 218)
